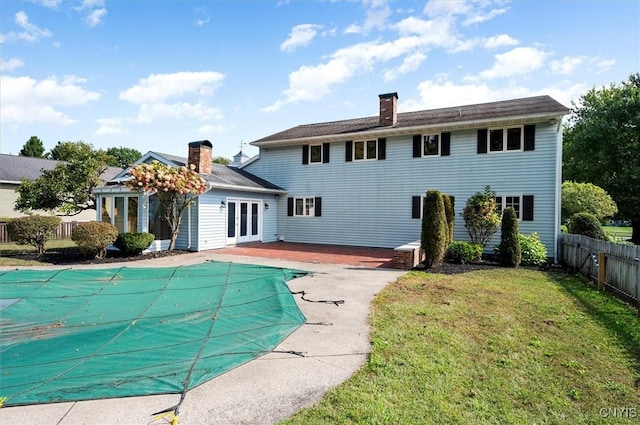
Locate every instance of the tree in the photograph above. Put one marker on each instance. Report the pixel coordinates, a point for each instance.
(481, 217)
(221, 160)
(586, 197)
(602, 145)
(435, 231)
(175, 188)
(510, 250)
(68, 188)
(33, 147)
(123, 157)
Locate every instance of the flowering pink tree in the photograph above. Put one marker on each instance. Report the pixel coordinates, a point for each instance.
(175, 187)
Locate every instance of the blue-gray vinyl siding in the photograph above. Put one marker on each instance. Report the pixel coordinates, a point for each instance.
(368, 203)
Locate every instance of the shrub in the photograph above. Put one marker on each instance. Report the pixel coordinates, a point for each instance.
(461, 252)
(534, 253)
(586, 224)
(435, 233)
(93, 237)
(133, 243)
(449, 211)
(33, 230)
(510, 253)
(481, 217)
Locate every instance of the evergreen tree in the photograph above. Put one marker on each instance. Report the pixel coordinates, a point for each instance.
(33, 147)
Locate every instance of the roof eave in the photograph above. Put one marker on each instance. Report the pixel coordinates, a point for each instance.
(402, 131)
(246, 188)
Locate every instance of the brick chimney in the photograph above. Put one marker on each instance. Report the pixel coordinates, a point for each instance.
(388, 109)
(201, 155)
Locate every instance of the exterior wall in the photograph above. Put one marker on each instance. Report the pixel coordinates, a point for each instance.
(8, 198)
(368, 203)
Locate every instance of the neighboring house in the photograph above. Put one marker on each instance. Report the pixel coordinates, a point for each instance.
(13, 169)
(361, 181)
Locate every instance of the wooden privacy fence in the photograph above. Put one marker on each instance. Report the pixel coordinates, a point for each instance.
(63, 232)
(612, 265)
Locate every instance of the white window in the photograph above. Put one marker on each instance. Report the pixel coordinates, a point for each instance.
(304, 207)
(121, 211)
(364, 150)
(431, 145)
(315, 154)
(505, 139)
(505, 201)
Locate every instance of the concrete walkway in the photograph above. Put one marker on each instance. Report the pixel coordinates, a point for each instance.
(265, 390)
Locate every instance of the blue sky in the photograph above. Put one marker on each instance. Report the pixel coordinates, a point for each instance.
(157, 74)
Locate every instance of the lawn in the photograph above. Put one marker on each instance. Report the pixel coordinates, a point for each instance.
(8, 252)
(500, 346)
(621, 233)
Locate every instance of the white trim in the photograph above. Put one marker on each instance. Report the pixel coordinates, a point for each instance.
(321, 146)
(365, 149)
(505, 131)
(503, 202)
(312, 212)
(422, 136)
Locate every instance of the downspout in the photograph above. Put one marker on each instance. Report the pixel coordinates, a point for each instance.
(558, 192)
(189, 227)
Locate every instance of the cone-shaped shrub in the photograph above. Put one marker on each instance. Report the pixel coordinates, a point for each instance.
(449, 210)
(510, 251)
(435, 232)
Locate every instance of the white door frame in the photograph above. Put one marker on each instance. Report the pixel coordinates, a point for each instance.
(243, 220)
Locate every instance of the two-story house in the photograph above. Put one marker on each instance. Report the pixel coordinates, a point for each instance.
(360, 181)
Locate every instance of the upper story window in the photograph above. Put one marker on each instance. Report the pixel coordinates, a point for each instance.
(363, 150)
(366, 150)
(507, 139)
(431, 145)
(315, 154)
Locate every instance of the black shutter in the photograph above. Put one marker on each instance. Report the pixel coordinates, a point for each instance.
(527, 208)
(325, 152)
(382, 148)
(317, 204)
(290, 207)
(417, 146)
(529, 137)
(305, 154)
(348, 152)
(415, 207)
(482, 140)
(445, 144)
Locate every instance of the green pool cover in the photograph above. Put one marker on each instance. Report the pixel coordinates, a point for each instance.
(73, 334)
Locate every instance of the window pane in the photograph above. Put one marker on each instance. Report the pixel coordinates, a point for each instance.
(132, 214)
(243, 219)
(316, 153)
(513, 202)
(358, 152)
(499, 204)
(299, 206)
(118, 213)
(495, 140)
(106, 209)
(231, 219)
(372, 150)
(254, 218)
(431, 144)
(513, 139)
(308, 206)
(157, 223)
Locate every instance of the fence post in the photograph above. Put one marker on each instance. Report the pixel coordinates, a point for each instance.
(602, 270)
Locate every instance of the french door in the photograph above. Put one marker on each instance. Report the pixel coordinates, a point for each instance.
(244, 221)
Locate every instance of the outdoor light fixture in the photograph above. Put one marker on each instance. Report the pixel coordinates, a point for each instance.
(266, 206)
(553, 121)
(223, 204)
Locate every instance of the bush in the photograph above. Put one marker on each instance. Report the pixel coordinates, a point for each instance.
(534, 253)
(449, 211)
(481, 217)
(586, 224)
(510, 253)
(464, 252)
(93, 237)
(33, 230)
(133, 243)
(435, 232)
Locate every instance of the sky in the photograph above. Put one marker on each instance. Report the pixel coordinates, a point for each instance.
(154, 75)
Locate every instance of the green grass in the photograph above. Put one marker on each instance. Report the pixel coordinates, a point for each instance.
(8, 251)
(500, 346)
(619, 232)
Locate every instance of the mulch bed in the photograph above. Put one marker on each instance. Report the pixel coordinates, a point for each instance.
(70, 256)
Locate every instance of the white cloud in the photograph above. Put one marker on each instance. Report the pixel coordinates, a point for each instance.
(409, 64)
(499, 41)
(153, 96)
(300, 35)
(26, 100)
(110, 126)
(90, 4)
(375, 18)
(481, 16)
(11, 64)
(473, 12)
(51, 4)
(30, 34)
(95, 18)
(567, 64)
(201, 22)
(211, 129)
(519, 61)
